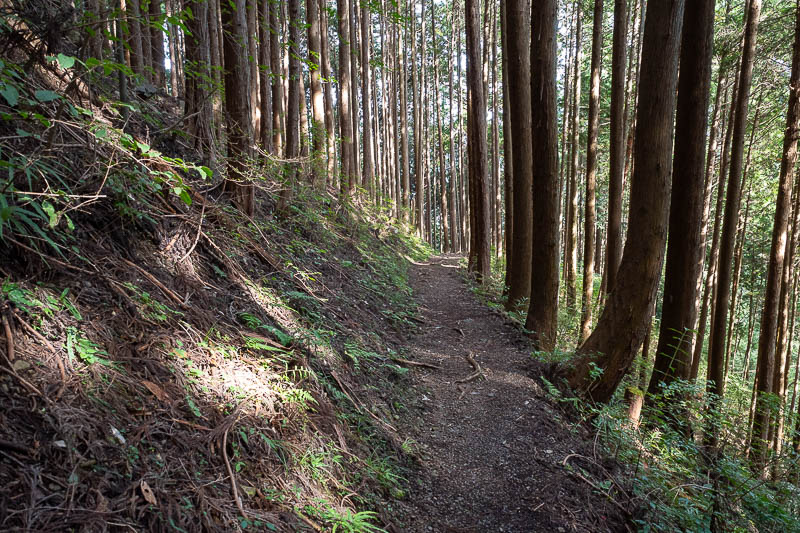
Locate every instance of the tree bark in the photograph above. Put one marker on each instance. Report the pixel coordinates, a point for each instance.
(518, 56)
(197, 104)
(591, 172)
(157, 43)
(571, 229)
(136, 40)
(445, 236)
(617, 146)
(684, 252)
(508, 173)
(769, 317)
(454, 225)
(355, 164)
(292, 107)
(237, 105)
(277, 84)
(252, 63)
(317, 99)
(542, 318)
(404, 150)
(264, 72)
(716, 357)
(345, 113)
(625, 320)
(476, 144)
(416, 97)
(325, 64)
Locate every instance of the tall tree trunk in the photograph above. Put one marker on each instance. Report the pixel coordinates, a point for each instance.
(292, 106)
(476, 145)
(277, 83)
(147, 47)
(317, 98)
(751, 326)
(345, 113)
(174, 51)
(786, 316)
(495, 189)
(355, 164)
(325, 63)
(394, 137)
(518, 56)
(265, 70)
(445, 239)
(252, 61)
(542, 318)
(684, 254)
(404, 152)
(566, 137)
(157, 43)
(769, 317)
(716, 356)
(571, 230)
(738, 253)
(713, 256)
(416, 97)
(136, 39)
(707, 198)
(237, 105)
(466, 209)
(591, 172)
(453, 172)
(508, 174)
(626, 318)
(197, 98)
(216, 44)
(617, 146)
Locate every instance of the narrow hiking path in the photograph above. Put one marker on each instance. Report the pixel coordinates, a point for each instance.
(493, 447)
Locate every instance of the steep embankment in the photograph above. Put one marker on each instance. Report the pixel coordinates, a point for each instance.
(190, 368)
(167, 362)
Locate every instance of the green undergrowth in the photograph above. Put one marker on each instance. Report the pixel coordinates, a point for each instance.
(174, 355)
(663, 470)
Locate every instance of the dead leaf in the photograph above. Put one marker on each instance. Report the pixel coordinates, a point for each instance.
(147, 492)
(157, 391)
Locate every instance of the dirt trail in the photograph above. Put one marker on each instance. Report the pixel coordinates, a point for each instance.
(493, 447)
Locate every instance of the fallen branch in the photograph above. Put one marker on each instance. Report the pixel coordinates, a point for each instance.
(25, 383)
(13, 446)
(9, 336)
(415, 363)
(230, 473)
(199, 231)
(355, 401)
(602, 491)
(168, 292)
(475, 375)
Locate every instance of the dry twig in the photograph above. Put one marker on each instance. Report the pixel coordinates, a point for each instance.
(415, 363)
(475, 375)
(166, 290)
(9, 335)
(234, 489)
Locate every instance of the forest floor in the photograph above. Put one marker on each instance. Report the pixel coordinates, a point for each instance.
(498, 455)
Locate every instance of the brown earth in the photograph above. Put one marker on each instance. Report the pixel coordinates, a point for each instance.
(494, 448)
